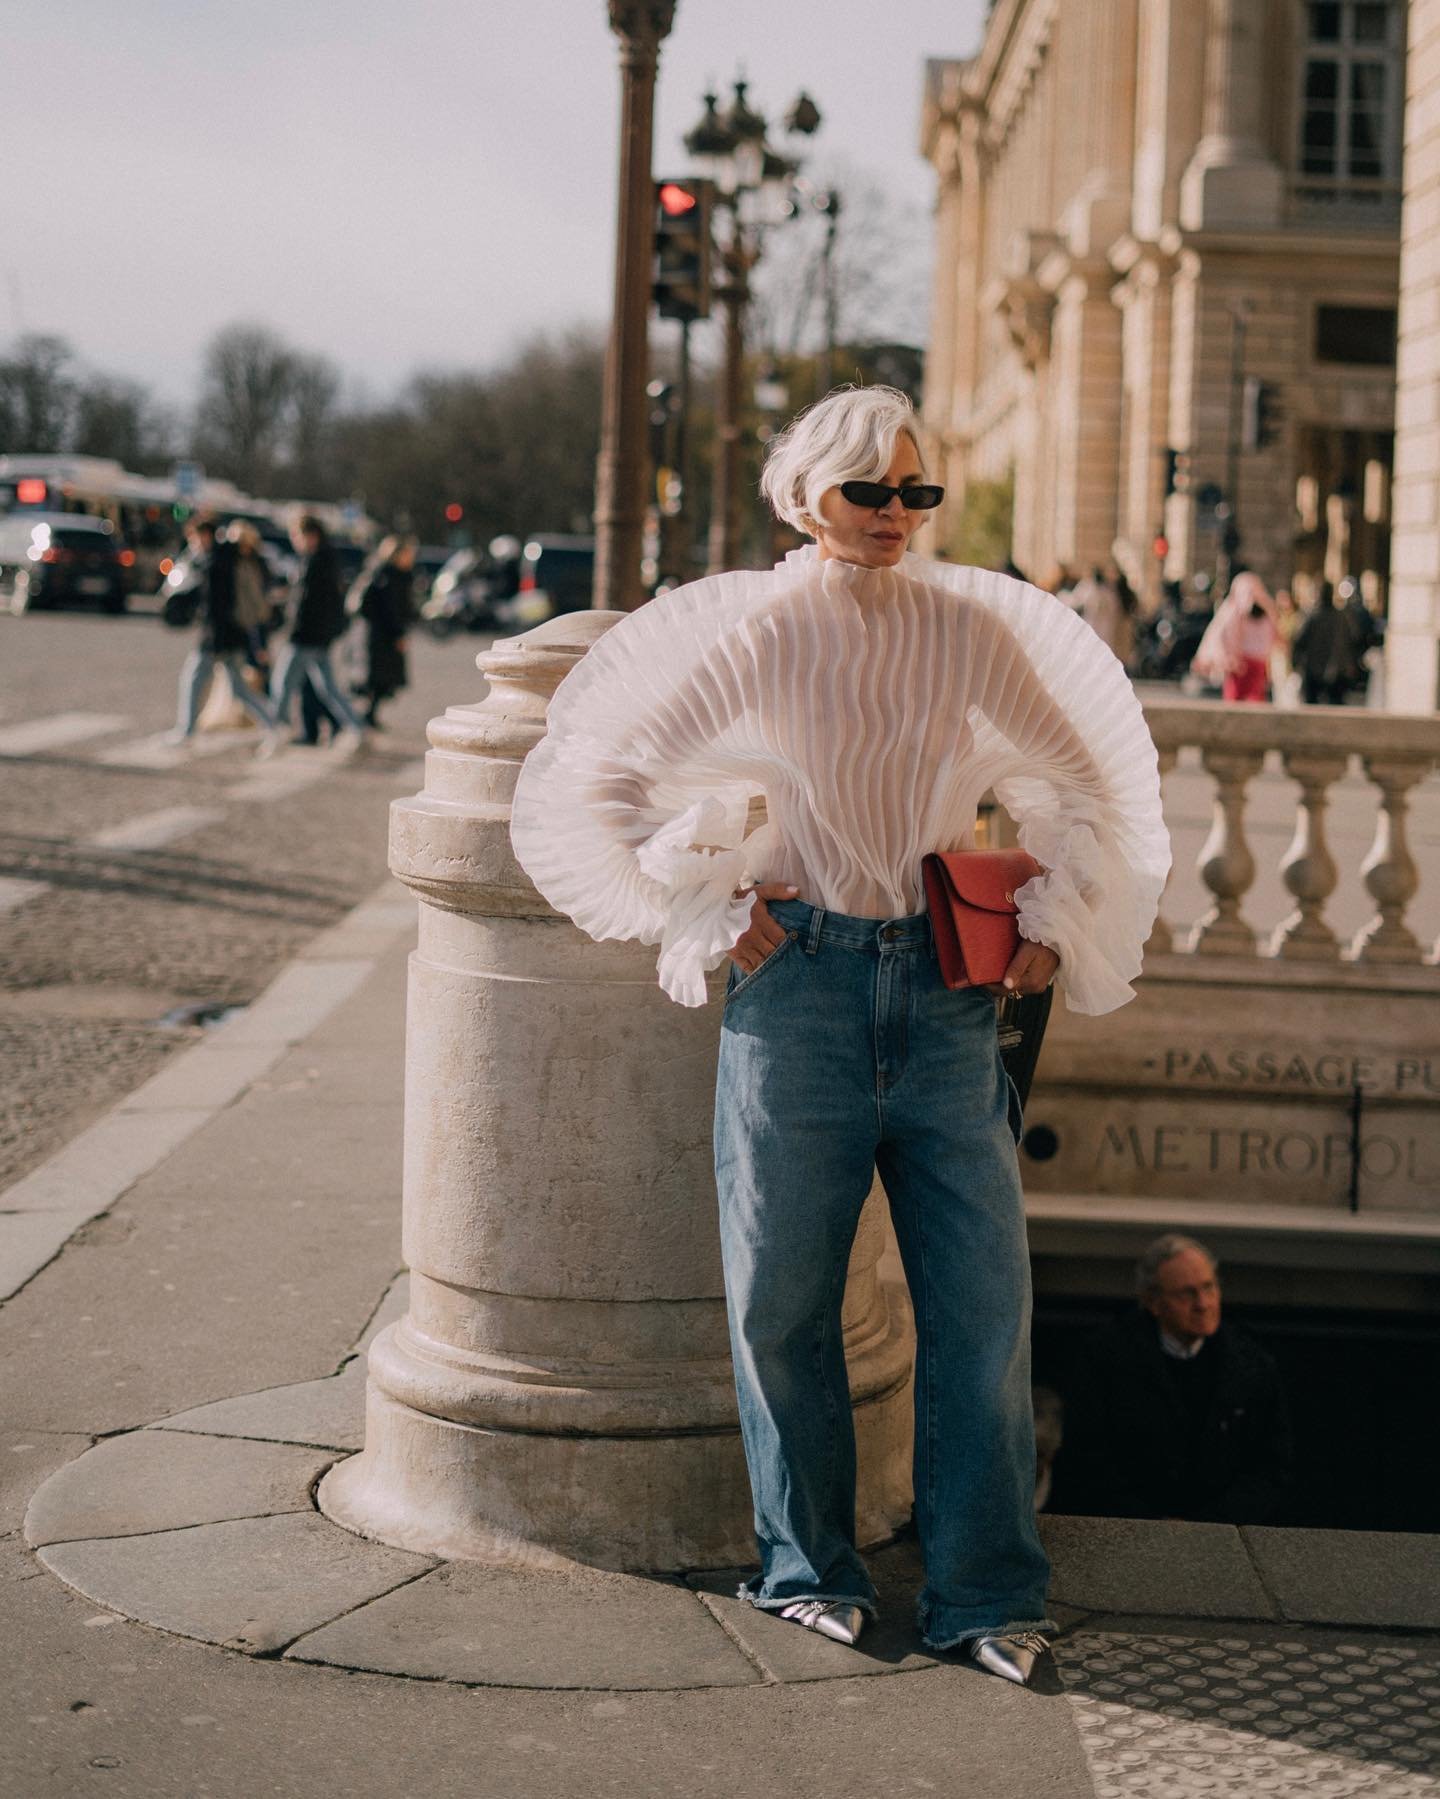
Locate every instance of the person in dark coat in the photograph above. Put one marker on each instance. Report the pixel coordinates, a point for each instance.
(1171, 1414)
(1325, 652)
(317, 619)
(385, 606)
(223, 637)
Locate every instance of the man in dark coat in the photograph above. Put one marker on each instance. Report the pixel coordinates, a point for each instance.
(1172, 1414)
(223, 639)
(317, 619)
(1325, 652)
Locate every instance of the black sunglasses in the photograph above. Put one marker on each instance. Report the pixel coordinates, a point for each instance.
(918, 498)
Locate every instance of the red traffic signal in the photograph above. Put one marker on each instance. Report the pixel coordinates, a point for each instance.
(676, 199)
(682, 248)
(454, 512)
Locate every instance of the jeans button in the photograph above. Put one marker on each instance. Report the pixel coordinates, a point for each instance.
(889, 934)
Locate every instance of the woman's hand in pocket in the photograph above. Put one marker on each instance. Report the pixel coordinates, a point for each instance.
(763, 936)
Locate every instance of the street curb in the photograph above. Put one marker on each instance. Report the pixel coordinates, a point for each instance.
(42, 1211)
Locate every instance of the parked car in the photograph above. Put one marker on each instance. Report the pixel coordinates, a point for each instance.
(557, 574)
(61, 558)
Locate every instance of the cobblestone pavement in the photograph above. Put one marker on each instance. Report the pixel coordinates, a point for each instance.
(135, 882)
(1254, 1710)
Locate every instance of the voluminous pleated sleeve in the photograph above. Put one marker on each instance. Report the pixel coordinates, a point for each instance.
(1076, 768)
(628, 815)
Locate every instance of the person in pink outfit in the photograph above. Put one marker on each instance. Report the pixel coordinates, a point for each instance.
(1236, 647)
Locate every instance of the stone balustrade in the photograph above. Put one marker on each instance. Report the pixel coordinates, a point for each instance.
(1315, 748)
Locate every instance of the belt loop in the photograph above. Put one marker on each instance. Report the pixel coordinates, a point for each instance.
(812, 936)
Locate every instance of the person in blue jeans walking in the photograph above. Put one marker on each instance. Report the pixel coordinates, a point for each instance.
(871, 697)
(318, 619)
(224, 639)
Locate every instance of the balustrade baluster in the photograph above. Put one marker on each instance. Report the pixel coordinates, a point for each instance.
(1162, 938)
(1225, 863)
(1308, 869)
(1391, 877)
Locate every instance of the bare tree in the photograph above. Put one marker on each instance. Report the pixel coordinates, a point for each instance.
(246, 400)
(314, 388)
(867, 282)
(118, 419)
(37, 395)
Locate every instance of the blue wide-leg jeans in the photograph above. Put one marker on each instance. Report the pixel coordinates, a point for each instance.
(842, 1053)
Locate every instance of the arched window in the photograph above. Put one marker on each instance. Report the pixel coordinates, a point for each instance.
(1351, 102)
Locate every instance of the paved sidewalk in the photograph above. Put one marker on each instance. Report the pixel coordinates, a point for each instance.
(187, 1366)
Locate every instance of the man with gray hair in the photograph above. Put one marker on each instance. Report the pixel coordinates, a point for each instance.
(1169, 1412)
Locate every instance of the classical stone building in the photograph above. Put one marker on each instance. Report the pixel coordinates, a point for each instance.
(1171, 225)
(1412, 644)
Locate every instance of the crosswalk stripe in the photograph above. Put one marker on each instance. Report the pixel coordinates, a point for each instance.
(56, 731)
(153, 830)
(14, 894)
(154, 752)
(285, 775)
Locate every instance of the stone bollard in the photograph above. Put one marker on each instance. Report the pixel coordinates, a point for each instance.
(561, 1388)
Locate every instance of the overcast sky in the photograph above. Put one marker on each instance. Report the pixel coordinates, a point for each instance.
(396, 185)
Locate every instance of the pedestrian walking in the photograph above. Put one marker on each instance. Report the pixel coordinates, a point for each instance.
(223, 641)
(1106, 601)
(318, 619)
(1238, 641)
(871, 697)
(1325, 652)
(254, 612)
(383, 601)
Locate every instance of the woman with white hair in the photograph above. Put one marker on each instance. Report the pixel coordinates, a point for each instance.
(872, 697)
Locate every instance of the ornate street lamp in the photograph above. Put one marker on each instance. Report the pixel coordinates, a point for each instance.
(754, 184)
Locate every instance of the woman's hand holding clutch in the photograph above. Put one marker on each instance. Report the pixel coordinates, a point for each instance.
(1031, 970)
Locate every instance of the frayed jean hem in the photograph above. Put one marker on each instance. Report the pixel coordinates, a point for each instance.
(1046, 1626)
(778, 1605)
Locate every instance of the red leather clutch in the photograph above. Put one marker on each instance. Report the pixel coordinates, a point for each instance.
(971, 896)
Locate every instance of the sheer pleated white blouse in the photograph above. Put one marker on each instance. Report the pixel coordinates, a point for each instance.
(872, 708)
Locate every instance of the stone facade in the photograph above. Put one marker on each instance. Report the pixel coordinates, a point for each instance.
(1142, 204)
(1413, 638)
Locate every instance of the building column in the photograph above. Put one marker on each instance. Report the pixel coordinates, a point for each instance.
(1231, 180)
(1105, 85)
(1412, 641)
(940, 146)
(1144, 301)
(1084, 413)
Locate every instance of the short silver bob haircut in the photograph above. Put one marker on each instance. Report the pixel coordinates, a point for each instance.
(850, 435)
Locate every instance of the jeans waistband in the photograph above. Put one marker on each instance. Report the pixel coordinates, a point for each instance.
(813, 925)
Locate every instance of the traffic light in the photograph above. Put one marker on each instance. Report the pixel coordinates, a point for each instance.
(1260, 416)
(682, 248)
(1177, 471)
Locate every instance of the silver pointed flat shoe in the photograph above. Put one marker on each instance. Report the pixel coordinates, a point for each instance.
(830, 1617)
(1011, 1657)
